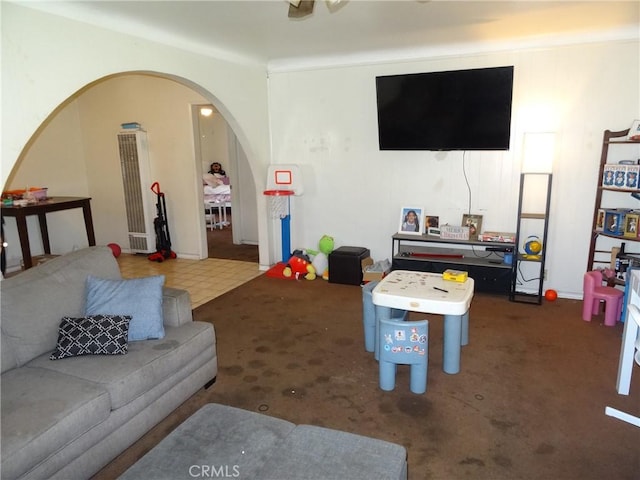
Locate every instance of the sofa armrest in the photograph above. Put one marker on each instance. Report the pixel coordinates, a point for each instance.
(176, 307)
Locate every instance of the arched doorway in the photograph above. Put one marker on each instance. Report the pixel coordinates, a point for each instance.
(229, 234)
(74, 153)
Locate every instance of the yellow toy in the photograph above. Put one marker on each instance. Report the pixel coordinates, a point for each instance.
(532, 248)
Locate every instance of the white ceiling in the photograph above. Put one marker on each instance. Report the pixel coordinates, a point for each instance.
(260, 31)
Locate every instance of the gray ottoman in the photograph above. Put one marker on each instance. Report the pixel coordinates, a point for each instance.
(226, 442)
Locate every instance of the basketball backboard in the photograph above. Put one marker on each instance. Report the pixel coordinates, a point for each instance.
(284, 177)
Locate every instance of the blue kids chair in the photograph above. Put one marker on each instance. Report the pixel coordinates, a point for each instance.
(404, 343)
(369, 316)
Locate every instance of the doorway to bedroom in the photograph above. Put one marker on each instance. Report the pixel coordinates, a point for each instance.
(228, 190)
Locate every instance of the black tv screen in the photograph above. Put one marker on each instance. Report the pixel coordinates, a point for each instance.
(452, 110)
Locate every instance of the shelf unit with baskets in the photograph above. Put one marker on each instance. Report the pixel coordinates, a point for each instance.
(616, 218)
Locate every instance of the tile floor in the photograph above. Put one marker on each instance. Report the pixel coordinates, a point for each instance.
(204, 279)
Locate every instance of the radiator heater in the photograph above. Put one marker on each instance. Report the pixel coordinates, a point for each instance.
(136, 180)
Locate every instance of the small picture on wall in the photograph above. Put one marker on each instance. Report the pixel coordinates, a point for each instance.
(474, 222)
(431, 225)
(631, 225)
(410, 220)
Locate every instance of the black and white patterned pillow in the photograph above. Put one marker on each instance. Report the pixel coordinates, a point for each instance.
(92, 335)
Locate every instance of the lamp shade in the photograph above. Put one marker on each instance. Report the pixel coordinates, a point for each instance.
(538, 152)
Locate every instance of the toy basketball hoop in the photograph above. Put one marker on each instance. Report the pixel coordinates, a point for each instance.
(279, 207)
(279, 202)
(283, 182)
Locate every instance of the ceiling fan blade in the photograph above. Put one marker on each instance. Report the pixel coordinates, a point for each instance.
(304, 8)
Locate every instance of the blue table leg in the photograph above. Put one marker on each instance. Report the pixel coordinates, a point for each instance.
(369, 317)
(382, 313)
(452, 342)
(372, 314)
(387, 376)
(465, 329)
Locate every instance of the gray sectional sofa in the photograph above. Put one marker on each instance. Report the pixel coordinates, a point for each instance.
(221, 441)
(68, 418)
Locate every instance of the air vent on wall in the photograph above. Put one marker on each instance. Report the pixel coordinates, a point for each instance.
(134, 162)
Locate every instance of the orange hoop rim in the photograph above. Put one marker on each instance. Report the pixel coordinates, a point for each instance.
(276, 193)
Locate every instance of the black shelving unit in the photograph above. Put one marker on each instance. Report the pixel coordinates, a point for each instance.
(531, 221)
(484, 261)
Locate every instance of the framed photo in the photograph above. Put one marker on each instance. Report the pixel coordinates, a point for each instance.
(600, 220)
(634, 131)
(619, 176)
(607, 175)
(474, 222)
(431, 225)
(410, 220)
(633, 171)
(631, 225)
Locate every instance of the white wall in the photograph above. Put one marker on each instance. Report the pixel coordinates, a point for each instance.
(47, 59)
(61, 167)
(213, 141)
(325, 120)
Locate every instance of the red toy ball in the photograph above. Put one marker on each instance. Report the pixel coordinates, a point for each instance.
(115, 249)
(550, 295)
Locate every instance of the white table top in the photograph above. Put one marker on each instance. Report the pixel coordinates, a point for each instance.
(418, 292)
(629, 335)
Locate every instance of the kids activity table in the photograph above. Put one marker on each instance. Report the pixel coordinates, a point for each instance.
(428, 293)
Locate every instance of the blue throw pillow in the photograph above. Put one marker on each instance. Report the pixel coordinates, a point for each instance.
(140, 298)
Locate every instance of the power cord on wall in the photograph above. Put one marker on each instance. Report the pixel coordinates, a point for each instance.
(466, 180)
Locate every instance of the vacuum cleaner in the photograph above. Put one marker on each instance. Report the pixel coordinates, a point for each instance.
(163, 238)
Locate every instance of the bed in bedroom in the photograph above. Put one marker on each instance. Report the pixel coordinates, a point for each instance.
(217, 198)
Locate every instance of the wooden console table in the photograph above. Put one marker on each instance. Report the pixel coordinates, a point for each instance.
(52, 204)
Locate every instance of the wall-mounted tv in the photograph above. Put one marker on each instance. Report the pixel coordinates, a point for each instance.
(452, 110)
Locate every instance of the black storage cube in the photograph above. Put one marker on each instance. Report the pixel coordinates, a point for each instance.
(345, 265)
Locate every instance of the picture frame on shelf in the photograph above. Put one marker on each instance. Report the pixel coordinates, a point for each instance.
(631, 225)
(600, 220)
(607, 175)
(432, 225)
(634, 131)
(614, 222)
(410, 220)
(619, 175)
(633, 172)
(474, 223)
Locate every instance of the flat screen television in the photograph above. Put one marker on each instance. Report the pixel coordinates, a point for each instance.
(452, 110)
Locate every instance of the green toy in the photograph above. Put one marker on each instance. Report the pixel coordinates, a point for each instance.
(321, 257)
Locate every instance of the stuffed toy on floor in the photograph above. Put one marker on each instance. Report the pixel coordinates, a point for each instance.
(321, 258)
(299, 265)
